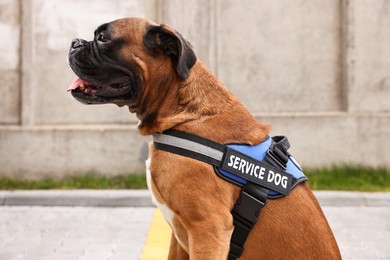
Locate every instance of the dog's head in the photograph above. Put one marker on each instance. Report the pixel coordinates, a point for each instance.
(125, 59)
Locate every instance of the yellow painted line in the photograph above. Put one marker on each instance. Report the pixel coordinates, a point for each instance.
(158, 239)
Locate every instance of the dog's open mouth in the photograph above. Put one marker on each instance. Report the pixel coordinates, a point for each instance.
(89, 93)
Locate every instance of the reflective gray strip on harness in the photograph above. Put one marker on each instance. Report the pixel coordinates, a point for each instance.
(188, 145)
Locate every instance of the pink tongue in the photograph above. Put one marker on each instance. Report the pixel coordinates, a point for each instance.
(75, 84)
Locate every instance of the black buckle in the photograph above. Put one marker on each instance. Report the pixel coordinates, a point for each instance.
(278, 156)
(248, 207)
(245, 213)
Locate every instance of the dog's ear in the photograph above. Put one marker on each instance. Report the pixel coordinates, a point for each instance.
(171, 43)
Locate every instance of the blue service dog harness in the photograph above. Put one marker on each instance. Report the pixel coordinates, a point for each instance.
(264, 171)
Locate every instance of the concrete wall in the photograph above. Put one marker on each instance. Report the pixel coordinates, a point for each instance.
(10, 62)
(318, 71)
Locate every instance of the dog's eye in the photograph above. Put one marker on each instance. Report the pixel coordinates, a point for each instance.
(102, 38)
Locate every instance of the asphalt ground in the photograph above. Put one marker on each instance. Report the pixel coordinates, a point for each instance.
(124, 225)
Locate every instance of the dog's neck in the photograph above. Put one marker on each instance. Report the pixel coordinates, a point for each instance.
(198, 106)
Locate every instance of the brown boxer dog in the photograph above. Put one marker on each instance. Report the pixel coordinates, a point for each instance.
(151, 69)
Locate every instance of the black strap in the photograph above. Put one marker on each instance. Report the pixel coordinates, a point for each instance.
(245, 215)
(187, 153)
(253, 198)
(277, 154)
(282, 143)
(207, 150)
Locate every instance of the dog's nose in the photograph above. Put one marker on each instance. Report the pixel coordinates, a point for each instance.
(77, 43)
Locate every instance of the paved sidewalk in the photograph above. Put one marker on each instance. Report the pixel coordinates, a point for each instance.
(361, 232)
(82, 233)
(361, 224)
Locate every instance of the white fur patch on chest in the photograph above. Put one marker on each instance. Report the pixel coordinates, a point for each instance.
(164, 209)
(166, 212)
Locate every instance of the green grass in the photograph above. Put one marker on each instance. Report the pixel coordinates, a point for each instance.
(351, 178)
(83, 181)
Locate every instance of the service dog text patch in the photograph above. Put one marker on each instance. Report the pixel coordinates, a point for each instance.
(256, 171)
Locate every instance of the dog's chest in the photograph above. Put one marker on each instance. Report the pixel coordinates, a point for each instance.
(166, 212)
(164, 209)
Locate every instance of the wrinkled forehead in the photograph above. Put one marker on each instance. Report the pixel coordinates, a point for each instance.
(125, 27)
